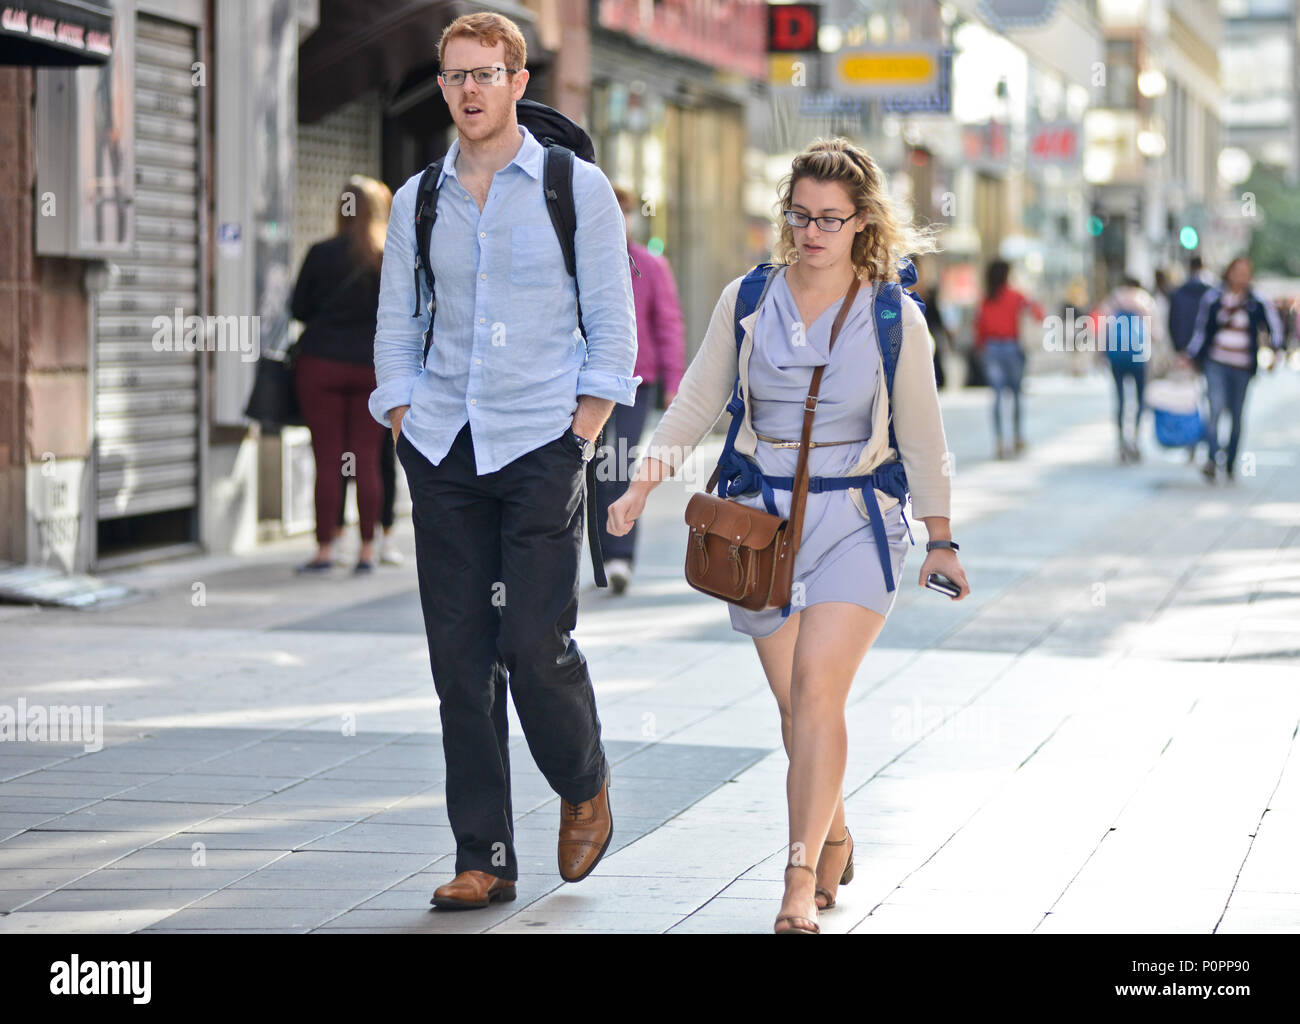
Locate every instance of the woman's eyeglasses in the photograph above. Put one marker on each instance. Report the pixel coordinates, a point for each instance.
(801, 220)
(483, 75)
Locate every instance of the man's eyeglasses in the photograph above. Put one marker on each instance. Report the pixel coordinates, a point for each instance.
(483, 75)
(801, 220)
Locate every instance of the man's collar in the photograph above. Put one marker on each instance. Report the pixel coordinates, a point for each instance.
(529, 158)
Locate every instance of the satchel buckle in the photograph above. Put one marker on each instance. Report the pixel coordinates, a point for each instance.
(810, 398)
(698, 536)
(733, 553)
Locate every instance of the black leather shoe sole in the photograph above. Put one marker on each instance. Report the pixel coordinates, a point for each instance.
(500, 896)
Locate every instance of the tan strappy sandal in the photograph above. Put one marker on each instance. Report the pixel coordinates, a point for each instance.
(795, 919)
(847, 875)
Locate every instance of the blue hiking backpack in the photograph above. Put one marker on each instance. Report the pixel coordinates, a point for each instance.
(1126, 339)
(737, 474)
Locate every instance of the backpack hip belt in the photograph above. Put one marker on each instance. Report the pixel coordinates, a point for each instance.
(743, 555)
(737, 474)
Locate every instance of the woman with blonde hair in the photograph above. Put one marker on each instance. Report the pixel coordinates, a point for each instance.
(337, 298)
(838, 231)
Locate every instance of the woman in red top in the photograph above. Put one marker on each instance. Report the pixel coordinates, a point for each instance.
(997, 340)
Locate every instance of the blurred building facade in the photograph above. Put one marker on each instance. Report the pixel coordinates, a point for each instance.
(1154, 135)
(1260, 53)
(188, 168)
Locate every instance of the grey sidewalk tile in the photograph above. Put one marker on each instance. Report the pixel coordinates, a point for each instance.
(58, 776)
(39, 877)
(211, 859)
(157, 878)
(12, 899)
(79, 922)
(337, 900)
(117, 899)
(312, 860)
(47, 803)
(380, 838)
(238, 918)
(620, 921)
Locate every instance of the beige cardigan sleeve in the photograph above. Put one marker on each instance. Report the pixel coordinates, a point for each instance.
(704, 390)
(918, 421)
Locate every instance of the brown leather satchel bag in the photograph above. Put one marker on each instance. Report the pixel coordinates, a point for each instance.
(744, 555)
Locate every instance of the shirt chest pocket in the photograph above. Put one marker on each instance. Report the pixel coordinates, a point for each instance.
(534, 255)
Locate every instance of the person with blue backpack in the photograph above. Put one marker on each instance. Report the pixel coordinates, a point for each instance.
(1124, 323)
(505, 335)
(877, 436)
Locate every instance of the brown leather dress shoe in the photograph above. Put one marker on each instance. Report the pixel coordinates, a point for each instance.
(585, 832)
(472, 890)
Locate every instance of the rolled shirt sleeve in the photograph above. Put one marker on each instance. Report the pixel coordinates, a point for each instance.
(604, 289)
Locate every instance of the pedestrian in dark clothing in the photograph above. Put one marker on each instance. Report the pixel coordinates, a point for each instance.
(938, 331)
(660, 355)
(336, 298)
(1184, 301)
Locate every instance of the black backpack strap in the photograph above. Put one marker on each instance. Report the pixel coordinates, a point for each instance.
(558, 189)
(426, 212)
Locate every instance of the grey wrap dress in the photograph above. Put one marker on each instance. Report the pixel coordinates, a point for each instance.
(837, 558)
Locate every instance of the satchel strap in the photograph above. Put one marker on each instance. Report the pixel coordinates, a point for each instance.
(800, 492)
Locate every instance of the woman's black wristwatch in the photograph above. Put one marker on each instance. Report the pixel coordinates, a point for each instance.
(930, 545)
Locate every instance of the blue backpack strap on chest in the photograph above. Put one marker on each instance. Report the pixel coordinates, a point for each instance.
(740, 475)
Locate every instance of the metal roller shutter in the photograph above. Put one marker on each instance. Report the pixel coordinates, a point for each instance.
(147, 402)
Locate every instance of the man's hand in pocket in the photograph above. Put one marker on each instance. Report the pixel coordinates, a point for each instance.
(395, 417)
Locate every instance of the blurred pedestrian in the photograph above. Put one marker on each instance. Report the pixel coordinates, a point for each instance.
(1076, 307)
(336, 298)
(839, 231)
(1225, 344)
(942, 337)
(388, 553)
(997, 339)
(1185, 301)
(1125, 324)
(660, 355)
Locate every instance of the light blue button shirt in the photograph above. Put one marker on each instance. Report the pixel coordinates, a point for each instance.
(507, 354)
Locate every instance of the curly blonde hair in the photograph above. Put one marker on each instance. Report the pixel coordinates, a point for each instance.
(886, 239)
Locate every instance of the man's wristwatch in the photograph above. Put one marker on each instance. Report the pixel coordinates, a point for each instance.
(585, 447)
(932, 544)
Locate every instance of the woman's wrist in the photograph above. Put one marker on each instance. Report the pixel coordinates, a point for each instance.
(938, 527)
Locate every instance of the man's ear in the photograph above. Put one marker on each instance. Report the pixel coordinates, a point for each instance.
(521, 83)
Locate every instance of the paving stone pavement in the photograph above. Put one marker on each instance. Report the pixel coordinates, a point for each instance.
(1101, 738)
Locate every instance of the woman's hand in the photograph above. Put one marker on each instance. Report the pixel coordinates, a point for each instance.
(944, 561)
(624, 512)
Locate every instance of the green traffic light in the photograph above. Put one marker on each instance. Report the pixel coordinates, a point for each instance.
(1095, 226)
(1188, 237)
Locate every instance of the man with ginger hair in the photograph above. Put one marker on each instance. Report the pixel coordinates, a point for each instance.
(493, 430)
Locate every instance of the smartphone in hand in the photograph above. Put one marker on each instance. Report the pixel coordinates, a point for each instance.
(941, 583)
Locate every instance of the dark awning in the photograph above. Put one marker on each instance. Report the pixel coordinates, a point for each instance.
(389, 45)
(55, 33)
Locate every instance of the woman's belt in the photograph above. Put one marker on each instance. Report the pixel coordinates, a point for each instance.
(776, 442)
(742, 476)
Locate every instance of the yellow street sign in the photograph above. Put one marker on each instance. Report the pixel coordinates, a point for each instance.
(885, 71)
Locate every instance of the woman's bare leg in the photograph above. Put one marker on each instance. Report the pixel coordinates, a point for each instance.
(831, 641)
(776, 652)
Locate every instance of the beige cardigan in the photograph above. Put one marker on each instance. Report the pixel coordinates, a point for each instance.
(918, 423)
